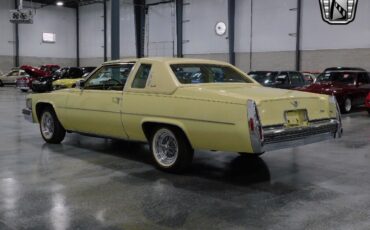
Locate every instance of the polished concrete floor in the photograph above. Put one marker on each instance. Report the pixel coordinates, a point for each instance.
(91, 183)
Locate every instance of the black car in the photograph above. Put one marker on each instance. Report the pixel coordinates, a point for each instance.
(279, 79)
(46, 84)
(344, 69)
(88, 69)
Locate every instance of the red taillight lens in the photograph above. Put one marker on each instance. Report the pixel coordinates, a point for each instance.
(251, 124)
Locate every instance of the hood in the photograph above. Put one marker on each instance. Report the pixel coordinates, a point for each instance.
(240, 93)
(67, 82)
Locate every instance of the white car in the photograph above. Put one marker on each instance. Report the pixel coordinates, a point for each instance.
(11, 77)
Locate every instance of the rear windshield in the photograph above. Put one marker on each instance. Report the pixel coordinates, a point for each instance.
(207, 73)
(263, 77)
(344, 77)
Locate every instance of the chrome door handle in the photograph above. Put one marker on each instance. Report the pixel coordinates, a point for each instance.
(116, 100)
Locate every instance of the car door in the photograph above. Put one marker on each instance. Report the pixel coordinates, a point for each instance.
(96, 108)
(11, 77)
(296, 80)
(282, 80)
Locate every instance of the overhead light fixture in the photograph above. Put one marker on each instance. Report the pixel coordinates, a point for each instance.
(60, 3)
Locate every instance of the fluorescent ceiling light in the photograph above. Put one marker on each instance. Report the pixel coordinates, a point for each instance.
(60, 3)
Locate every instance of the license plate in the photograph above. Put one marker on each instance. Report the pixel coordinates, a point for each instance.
(296, 118)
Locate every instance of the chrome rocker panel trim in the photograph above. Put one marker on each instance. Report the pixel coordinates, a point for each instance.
(27, 113)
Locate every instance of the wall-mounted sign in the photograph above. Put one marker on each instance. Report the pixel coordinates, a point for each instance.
(338, 12)
(48, 37)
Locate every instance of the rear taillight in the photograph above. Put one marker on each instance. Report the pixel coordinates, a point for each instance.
(254, 122)
(251, 124)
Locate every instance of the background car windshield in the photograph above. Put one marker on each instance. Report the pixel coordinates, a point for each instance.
(264, 77)
(204, 73)
(344, 77)
(13, 73)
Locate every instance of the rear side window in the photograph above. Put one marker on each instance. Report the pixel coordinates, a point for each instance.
(141, 76)
(207, 73)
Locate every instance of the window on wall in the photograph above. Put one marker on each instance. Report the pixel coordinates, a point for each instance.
(141, 76)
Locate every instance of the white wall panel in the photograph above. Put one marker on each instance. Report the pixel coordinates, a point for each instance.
(7, 29)
(92, 25)
(161, 30)
(91, 31)
(127, 29)
(51, 19)
(272, 24)
(317, 34)
(242, 25)
(200, 30)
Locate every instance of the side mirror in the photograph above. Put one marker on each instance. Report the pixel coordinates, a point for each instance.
(80, 84)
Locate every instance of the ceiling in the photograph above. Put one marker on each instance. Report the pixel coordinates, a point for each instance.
(67, 3)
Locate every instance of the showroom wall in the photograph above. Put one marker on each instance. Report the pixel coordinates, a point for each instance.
(92, 32)
(271, 40)
(6, 37)
(200, 39)
(273, 35)
(33, 51)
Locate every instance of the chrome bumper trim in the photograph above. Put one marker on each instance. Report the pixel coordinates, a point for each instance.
(27, 113)
(281, 137)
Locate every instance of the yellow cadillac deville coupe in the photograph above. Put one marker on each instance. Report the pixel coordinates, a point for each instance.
(178, 105)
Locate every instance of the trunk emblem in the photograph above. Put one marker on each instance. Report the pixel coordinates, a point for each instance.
(294, 103)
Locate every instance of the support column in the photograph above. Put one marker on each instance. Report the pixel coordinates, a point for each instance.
(105, 29)
(16, 42)
(231, 18)
(139, 11)
(77, 36)
(298, 38)
(115, 30)
(179, 27)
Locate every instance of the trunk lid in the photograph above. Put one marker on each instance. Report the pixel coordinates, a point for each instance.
(272, 103)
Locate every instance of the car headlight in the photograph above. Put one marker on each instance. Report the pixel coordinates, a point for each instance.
(29, 103)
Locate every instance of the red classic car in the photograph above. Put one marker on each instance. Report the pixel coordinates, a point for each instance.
(367, 103)
(350, 87)
(25, 83)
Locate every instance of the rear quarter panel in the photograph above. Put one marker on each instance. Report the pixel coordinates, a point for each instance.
(208, 125)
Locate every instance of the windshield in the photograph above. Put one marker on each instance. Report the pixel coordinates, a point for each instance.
(12, 73)
(264, 77)
(207, 73)
(344, 77)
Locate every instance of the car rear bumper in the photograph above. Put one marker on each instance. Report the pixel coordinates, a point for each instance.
(279, 137)
(27, 113)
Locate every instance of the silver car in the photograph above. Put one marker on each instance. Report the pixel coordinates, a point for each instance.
(11, 77)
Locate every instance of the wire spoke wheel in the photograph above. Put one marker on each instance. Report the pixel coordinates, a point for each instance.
(165, 147)
(47, 125)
